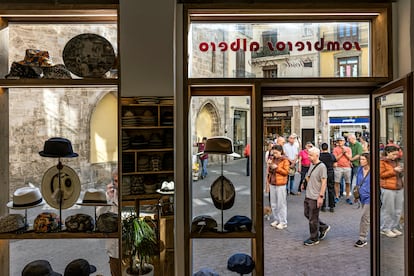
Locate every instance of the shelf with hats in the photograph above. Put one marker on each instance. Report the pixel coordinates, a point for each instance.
(68, 61)
(147, 127)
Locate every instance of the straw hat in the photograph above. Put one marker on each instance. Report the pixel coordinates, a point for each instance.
(69, 190)
(26, 197)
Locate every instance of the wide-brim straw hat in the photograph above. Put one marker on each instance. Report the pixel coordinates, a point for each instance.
(70, 187)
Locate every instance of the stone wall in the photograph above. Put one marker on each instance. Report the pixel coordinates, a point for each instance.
(38, 114)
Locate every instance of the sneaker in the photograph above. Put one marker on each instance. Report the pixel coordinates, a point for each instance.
(324, 232)
(323, 209)
(274, 224)
(388, 233)
(336, 200)
(349, 201)
(281, 226)
(397, 232)
(332, 209)
(310, 242)
(360, 243)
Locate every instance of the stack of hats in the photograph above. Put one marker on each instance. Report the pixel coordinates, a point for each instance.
(37, 64)
(125, 140)
(143, 163)
(137, 184)
(147, 100)
(166, 100)
(126, 185)
(129, 118)
(155, 141)
(147, 119)
(167, 118)
(138, 142)
(156, 163)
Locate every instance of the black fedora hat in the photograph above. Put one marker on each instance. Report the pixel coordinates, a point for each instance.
(58, 147)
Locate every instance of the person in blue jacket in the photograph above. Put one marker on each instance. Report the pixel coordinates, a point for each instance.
(363, 181)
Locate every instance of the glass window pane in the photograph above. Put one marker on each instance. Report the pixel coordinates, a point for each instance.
(277, 50)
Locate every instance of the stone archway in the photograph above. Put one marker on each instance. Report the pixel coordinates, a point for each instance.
(207, 122)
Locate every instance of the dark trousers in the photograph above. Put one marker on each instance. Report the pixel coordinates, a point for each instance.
(248, 166)
(331, 193)
(303, 171)
(311, 212)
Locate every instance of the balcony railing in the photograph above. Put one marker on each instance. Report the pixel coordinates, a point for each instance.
(266, 52)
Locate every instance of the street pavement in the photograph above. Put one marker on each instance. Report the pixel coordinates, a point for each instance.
(284, 251)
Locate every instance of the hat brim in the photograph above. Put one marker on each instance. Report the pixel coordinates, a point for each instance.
(92, 268)
(48, 187)
(43, 154)
(10, 205)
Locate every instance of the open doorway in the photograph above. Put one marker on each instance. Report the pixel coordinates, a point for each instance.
(329, 118)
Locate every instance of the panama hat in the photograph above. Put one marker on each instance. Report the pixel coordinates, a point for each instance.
(94, 197)
(26, 197)
(223, 193)
(58, 147)
(70, 187)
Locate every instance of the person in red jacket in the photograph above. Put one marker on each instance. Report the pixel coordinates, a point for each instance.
(246, 154)
(392, 193)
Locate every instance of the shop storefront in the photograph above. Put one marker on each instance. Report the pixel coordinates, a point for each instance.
(272, 58)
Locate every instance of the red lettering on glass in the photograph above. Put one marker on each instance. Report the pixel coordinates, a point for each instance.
(254, 46)
(223, 46)
(280, 46)
(333, 46)
(300, 45)
(203, 46)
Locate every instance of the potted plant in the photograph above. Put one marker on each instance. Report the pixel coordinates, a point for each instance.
(140, 243)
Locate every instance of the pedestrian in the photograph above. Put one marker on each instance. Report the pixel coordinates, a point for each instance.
(363, 182)
(315, 193)
(203, 157)
(246, 154)
(343, 155)
(356, 149)
(277, 177)
(112, 244)
(304, 162)
(291, 152)
(267, 210)
(329, 160)
(364, 143)
(392, 192)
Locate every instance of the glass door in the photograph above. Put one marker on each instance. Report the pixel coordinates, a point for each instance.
(391, 193)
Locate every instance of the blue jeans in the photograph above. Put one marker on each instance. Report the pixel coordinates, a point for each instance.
(290, 183)
(204, 163)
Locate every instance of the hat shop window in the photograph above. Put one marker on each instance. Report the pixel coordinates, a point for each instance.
(220, 185)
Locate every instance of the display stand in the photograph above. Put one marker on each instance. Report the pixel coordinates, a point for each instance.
(223, 146)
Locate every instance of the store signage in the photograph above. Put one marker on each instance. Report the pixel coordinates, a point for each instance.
(345, 120)
(242, 44)
(274, 114)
